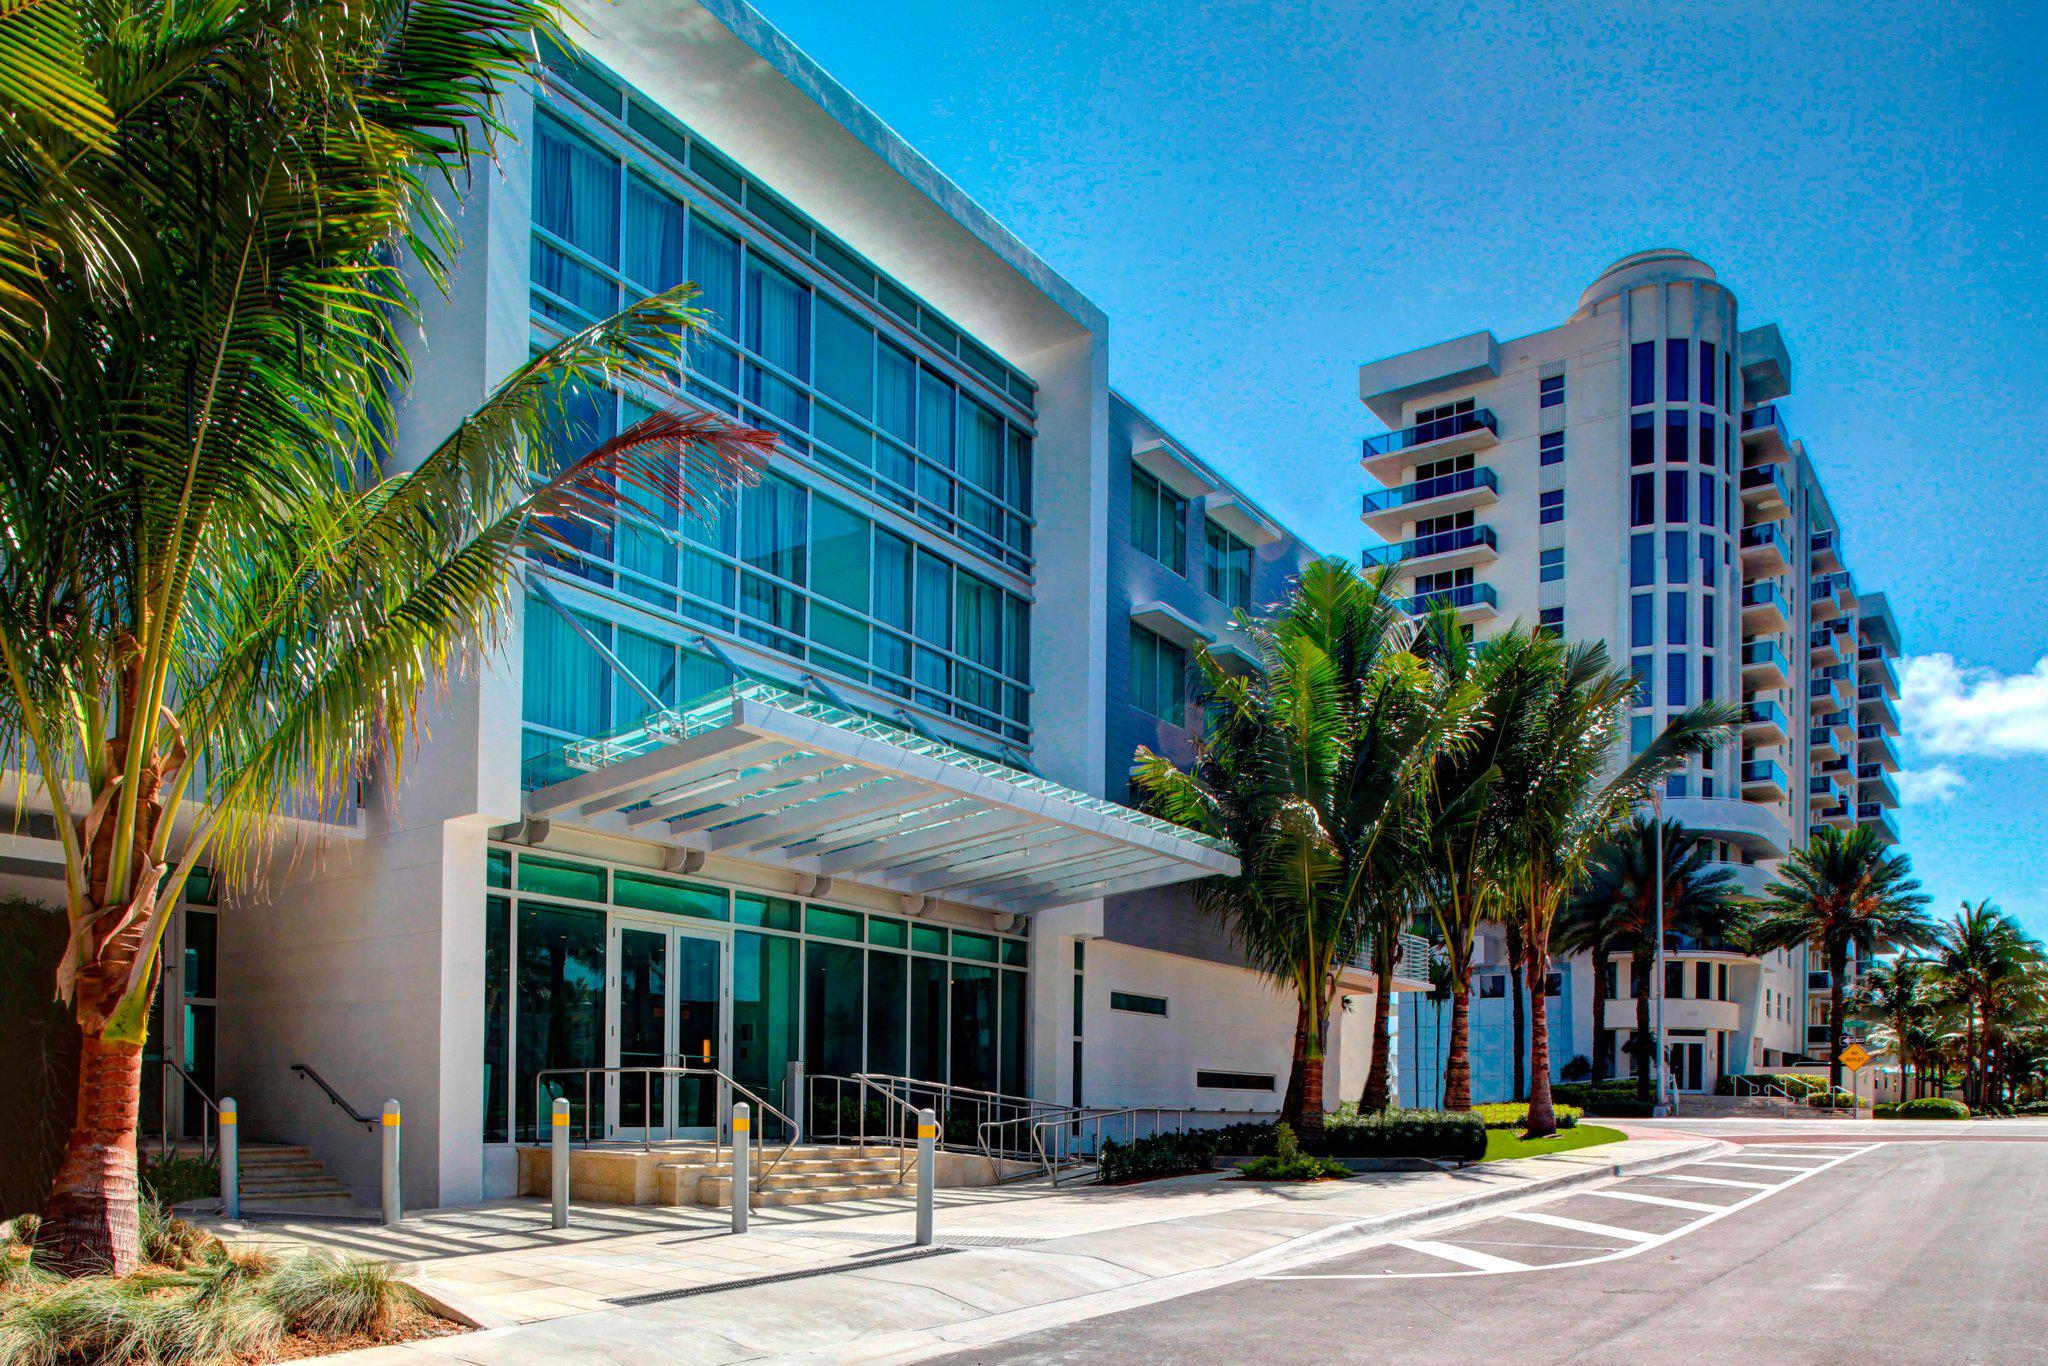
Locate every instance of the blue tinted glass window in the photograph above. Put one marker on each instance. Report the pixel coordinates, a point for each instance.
(1676, 544)
(1674, 495)
(1550, 448)
(1642, 500)
(1639, 665)
(1642, 628)
(1642, 557)
(1674, 618)
(1677, 370)
(1550, 391)
(1709, 367)
(1550, 564)
(1706, 505)
(1550, 506)
(1674, 679)
(1642, 374)
(1642, 438)
(1675, 429)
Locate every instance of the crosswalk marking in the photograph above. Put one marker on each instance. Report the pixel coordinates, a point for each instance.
(1712, 1181)
(1479, 1261)
(1642, 1199)
(1627, 1235)
(1761, 1166)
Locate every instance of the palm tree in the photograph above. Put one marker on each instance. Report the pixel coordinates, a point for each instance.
(1701, 901)
(1596, 928)
(1308, 762)
(1841, 890)
(1559, 798)
(1387, 914)
(219, 597)
(1898, 998)
(1982, 960)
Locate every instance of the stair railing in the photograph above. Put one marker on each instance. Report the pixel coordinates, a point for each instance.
(367, 1121)
(759, 1168)
(209, 1114)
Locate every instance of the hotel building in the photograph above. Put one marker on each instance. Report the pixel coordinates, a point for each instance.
(1630, 476)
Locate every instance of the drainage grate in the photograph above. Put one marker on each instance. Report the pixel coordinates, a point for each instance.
(663, 1296)
(896, 1239)
(988, 1240)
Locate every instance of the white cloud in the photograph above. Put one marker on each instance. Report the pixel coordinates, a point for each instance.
(1951, 708)
(1926, 786)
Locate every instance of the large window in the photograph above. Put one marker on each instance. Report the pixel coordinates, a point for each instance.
(842, 991)
(1229, 571)
(1159, 521)
(808, 577)
(1158, 676)
(847, 389)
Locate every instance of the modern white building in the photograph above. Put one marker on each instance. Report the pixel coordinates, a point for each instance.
(836, 776)
(1629, 476)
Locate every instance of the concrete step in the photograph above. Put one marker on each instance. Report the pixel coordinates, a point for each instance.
(793, 1166)
(709, 1156)
(717, 1190)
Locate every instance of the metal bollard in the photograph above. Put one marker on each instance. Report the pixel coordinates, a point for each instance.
(393, 1203)
(742, 1145)
(559, 1186)
(793, 1087)
(230, 1160)
(927, 1172)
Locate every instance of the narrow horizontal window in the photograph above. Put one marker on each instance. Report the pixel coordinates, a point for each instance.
(1136, 1004)
(1234, 1081)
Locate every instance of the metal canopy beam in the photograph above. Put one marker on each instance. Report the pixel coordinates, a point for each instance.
(778, 829)
(638, 771)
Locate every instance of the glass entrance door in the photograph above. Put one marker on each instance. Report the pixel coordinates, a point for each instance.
(1688, 1065)
(667, 995)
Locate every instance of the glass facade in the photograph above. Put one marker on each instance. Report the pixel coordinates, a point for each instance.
(885, 411)
(840, 990)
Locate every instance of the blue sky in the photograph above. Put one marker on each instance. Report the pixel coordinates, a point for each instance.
(1264, 195)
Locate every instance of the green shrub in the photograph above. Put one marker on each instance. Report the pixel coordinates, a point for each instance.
(1403, 1133)
(319, 1292)
(1614, 1098)
(170, 1241)
(2032, 1107)
(1172, 1153)
(1927, 1107)
(1290, 1163)
(1247, 1137)
(174, 1180)
(1514, 1114)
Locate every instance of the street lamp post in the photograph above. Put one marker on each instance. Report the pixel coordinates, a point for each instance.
(1660, 1070)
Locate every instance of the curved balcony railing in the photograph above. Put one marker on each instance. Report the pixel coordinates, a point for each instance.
(1758, 772)
(1436, 486)
(1436, 429)
(1463, 596)
(1435, 543)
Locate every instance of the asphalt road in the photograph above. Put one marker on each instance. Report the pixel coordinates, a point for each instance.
(1830, 1249)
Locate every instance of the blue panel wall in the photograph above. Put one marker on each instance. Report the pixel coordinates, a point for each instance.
(1423, 1044)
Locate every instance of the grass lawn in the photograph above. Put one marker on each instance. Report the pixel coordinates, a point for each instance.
(1502, 1144)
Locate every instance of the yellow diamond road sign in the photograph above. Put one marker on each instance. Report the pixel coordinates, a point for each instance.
(1855, 1058)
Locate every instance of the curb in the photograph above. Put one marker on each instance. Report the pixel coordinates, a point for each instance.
(1325, 1242)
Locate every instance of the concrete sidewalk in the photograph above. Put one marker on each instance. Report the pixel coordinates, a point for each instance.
(843, 1282)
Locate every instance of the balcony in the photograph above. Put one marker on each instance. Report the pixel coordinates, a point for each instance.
(1456, 434)
(1874, 784)
(1765, 492)
(1821, 745)
(1765, 548)
(1764, 609)
(1763, 431)
(1827, 597)
(1823, 790)
(1823, 648)
(1874, 746)
(1876, 667)
(1387, 510)
(1763, 665)
(1454, 549)
(1873, 707)
(1473, 602)
(1828, 692)
(1763, 781)
(1878, 819)
(1824, 546)
(1763, 723)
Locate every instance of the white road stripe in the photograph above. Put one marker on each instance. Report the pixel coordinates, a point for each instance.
(1481, 1261)
(1761, 1166)
(1712, 1181)
(1627, 1235)
(1653, 1200)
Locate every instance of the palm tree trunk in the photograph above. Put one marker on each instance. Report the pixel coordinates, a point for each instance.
(1377, 1093)
(1542, 1114)
(1458, 1071)
(90, 1224)
(1640, 964)
(1311, 1097)
(1603, 1038)
(1297, 1074)
(1521, 1088)
(1838, 963)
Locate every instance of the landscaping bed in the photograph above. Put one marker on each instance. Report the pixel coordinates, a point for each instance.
(197, 1301)
(1927, 1107)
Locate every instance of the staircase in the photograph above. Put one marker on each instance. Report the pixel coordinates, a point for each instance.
(809, 1174)
(282, 1177)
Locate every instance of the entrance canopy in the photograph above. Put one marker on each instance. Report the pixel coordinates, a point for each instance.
(759, 773)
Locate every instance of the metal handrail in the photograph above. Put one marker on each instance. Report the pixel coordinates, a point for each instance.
(902, 1136)
(719, 1142)
(908, 1094)
(209, 1124)
(367, 1121)
(1069, 1150)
